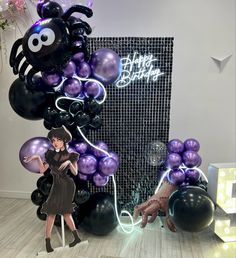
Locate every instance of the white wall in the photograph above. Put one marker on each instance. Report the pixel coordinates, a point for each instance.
(203, 99)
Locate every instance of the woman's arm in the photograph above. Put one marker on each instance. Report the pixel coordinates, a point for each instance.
(72, 166)
(43, 166)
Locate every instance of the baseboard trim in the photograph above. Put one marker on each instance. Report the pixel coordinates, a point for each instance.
(15, 194)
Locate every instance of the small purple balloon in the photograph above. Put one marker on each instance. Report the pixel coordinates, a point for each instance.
(108, 166)
(80, 147)
(69, 70)
(82, 177)
(78, 57)
(191, 145)
(100, 180)
(176, 176)
(83, 70)
(87, 164)
(100, 145)
(174, 160)
(72, 87)
(115, 157)
(192, 175)
(105, 65)
(175, 146)
(52, 79)
(92, 89)
(191, 159)
(34, 146)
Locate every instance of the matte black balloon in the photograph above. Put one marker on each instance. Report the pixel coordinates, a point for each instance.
(96, 122)
(191, 209)
(76, 134)
(47, 125)
(63, 118)
(76, 106)
(37, 197)
(81, 196)
(41, 216)
(29, 104)
(44, 184)
(93, 107)
(50, 114)
(98, 214)
(82, 119)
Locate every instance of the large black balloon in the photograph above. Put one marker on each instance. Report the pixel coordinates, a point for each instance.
(191, 209)
(44, 184)
(40, 215)
(81, 196)
(37, 197)
(29, 104)
(98, 214)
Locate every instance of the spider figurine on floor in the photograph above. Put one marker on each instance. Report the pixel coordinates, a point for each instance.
(50, 43)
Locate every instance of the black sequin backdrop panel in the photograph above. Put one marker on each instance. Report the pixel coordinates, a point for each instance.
(134, 116)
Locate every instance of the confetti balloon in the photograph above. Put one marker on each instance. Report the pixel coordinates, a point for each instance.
(155, 153)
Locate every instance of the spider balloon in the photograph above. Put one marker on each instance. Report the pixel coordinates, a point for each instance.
(50, 43)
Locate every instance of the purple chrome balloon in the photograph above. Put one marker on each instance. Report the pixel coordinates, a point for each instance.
(105, 65)
(100, 180)
(87, 164)
(34, 146)
(176, 176)
(115, 157)
(80, 147)
(108, 166)
(82, 177)
(69, 70)
(192, 175)
(72, 87)
(175, 146)
(174, 160)
(98, 153)
(191, 159)
(83, 70)
(52, 79)
(191, 145)
(78, 57)
(92, 89)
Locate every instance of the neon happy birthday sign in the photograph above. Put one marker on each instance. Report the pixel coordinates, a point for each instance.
(138, 67)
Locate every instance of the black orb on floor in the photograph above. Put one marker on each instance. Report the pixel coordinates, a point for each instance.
(98, 214)
(191, 209)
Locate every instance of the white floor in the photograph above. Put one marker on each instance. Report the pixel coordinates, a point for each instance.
(22, 235)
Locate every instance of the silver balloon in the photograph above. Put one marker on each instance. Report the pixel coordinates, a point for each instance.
(155, 153)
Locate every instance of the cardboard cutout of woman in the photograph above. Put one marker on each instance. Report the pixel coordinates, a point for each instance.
(60, 199)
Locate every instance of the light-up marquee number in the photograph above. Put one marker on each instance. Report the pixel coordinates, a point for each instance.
(138, 67)
(222, 187)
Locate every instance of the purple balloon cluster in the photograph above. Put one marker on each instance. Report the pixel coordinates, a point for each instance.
(182, 159)
(94, 164)
(103, 65)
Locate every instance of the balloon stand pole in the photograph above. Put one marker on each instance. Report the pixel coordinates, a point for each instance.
(62, 240)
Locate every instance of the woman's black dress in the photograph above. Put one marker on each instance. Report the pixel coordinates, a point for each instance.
(62, 192)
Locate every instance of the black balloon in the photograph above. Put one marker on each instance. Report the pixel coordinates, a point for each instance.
(93, 107)
(51, 10)
(191, 209)
(41, 216)
(50, 114)
(98, 214)
(96, 122)
(82, 119)
(75, 107)
(63, 118)
(81, 196)
(29, 104)
(37, 197)
(44, 184)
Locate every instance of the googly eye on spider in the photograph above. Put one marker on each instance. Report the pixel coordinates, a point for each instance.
(51, 41)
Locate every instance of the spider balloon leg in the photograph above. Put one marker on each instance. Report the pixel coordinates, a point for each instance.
(77, 8)
(23, 69)
(17, 62)
(29, 78)
(14, 50)
(82, 25)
